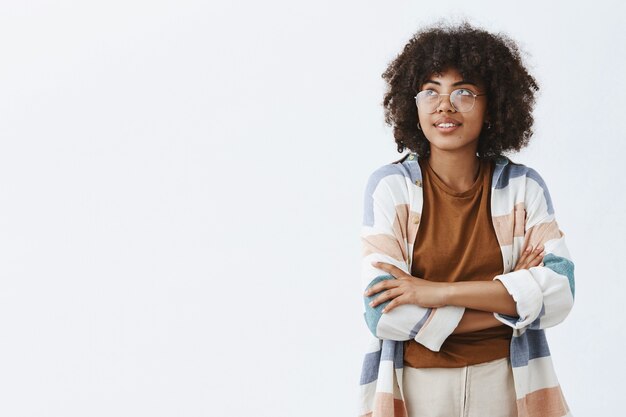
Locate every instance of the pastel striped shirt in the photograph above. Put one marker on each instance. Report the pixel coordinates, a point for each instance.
(522, 214)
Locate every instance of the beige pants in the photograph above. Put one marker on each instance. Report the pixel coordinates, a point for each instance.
(482, 390)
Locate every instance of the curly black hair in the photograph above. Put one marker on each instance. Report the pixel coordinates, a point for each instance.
(477, 54)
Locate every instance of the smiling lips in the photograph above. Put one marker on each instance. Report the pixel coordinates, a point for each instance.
(447, 124)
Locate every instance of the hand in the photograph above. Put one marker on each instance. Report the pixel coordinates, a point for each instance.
(530, 258)
(406, 289)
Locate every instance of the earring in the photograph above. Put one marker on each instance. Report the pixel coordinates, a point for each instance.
(488, 124)
(418, 126)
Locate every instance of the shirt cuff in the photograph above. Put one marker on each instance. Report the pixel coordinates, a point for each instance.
(527, 295)
(439, 326)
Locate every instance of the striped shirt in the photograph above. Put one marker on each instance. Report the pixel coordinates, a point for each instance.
(522, 214)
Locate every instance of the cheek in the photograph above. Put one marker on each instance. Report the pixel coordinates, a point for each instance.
(478, 118)
(483, 113)
(424, 120)
(475, 128)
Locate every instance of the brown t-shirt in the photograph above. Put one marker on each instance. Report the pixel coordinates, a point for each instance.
(456, 242)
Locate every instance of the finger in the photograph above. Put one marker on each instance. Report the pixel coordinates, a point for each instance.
(381, 286)
(526, 253)
(391, 269)
(384, 296)
(521, 262)
(538, 261)
(531, 259)
(402, 299)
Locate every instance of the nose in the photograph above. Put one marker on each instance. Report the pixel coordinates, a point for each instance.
(445, 104)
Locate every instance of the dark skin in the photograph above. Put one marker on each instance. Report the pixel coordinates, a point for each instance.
(480, 298)
(453, 156)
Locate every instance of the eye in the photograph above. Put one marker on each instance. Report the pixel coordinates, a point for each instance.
(464, 92)
(428, 93)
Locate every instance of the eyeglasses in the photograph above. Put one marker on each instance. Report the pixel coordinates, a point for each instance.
(462, 100)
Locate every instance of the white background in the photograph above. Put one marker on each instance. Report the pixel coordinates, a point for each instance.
(181, 192)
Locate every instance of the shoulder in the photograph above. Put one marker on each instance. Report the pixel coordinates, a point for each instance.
(525, 180)
(511, 171)
(403, 171)
(388, 186)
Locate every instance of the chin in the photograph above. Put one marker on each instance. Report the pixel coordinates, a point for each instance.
(451, 143)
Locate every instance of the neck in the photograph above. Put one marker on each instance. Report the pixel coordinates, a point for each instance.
(457, 170)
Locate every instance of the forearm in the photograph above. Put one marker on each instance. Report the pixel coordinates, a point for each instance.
(490, 296)
(427, 326)
(475, 320)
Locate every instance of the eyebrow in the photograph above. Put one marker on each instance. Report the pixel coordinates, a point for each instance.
(453, 85)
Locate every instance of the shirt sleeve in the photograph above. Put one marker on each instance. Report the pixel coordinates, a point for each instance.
(383, 237)
(544, 294)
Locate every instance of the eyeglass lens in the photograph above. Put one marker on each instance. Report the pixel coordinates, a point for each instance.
(461, 100)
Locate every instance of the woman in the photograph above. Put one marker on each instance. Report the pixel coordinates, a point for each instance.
(464, 265)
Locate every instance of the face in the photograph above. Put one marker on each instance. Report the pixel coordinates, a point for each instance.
(446, 128)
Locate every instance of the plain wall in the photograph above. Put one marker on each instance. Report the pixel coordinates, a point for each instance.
(181, 190)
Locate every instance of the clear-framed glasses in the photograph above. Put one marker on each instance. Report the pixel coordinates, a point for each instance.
(462, 100)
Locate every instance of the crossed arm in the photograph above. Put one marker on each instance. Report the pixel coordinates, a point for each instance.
(543, 293)
(480, 298)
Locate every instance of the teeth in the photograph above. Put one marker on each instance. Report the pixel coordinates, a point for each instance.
(446, 125)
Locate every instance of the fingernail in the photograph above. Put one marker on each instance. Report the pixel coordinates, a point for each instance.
(371, 304)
